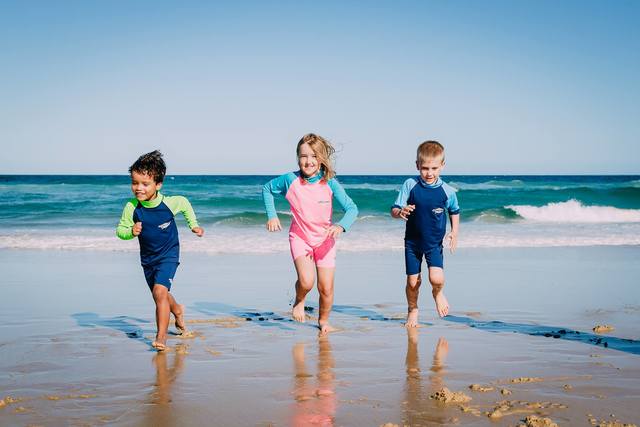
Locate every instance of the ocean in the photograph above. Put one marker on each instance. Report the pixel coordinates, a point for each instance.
(78, 212)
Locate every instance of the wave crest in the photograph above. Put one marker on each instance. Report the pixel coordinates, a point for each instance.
(573, 211)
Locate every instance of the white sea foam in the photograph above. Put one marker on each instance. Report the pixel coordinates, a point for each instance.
(573, 211)
(373, 237)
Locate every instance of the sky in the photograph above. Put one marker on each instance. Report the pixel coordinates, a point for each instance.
(508, 87)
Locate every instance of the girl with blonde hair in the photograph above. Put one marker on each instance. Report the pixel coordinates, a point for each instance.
(312, 236)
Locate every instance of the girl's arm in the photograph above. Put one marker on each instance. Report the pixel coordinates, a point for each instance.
(350, 209)
(279, 185)
(124, 230)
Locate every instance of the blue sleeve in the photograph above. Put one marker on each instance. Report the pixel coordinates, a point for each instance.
(279, 185)
(452, 200)
(350, 209)
(405, 191)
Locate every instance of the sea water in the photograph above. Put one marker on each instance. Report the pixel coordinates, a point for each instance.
(78, 212)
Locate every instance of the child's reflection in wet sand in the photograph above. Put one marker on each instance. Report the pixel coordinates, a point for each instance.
(316, 400)
(160, 411)
(418, 407)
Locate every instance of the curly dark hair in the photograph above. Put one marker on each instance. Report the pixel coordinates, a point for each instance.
(151, 164)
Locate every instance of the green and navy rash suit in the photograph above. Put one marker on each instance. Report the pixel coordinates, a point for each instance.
(427, 224)
(159, 237)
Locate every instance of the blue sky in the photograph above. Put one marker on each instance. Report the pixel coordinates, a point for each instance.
(509, 87)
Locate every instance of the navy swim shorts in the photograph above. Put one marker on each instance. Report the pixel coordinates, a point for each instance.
(413, 257)
(160, 274)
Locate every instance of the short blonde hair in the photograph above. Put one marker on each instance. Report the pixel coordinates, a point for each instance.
(429, 150)
(324, 152)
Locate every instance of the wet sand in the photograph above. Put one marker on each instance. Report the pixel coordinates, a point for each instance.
(76, 328)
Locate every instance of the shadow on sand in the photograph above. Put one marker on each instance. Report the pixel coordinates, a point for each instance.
(620, 344)
(262, 318)
(364, 313)
(123, 324)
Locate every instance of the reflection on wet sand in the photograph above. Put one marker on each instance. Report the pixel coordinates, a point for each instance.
(316, 400)
(419, 409)
(160, 409)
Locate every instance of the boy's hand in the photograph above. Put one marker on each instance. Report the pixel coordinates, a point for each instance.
(334, 231)
(274, 224)
(453, 241)
(198, 230)
(137, 228)
(406, 211)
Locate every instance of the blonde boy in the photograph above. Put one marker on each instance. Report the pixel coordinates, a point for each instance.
(423, 202)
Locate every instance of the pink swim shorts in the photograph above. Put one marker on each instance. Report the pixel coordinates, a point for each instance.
(324, 255)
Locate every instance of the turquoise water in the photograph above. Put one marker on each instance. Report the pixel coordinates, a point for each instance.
(68, 212)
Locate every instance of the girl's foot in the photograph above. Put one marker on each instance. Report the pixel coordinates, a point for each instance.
(298, 312)
(159, 344)
(179, 315)
(325, 328)
(412, 318)
(442, 305)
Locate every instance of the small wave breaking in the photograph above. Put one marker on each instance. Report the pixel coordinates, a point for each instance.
(573, 211)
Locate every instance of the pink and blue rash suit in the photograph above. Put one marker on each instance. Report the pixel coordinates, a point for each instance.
(311, 205)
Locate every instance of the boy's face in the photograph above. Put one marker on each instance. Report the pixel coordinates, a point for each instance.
(307, 161)
(430, 168)
(144, 187)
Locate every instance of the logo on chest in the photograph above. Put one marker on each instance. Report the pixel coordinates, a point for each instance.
(324, 201)
(164, 226)
(437, 211)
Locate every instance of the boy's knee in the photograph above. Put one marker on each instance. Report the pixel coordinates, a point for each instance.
(414, 281)
(436, 277)
(159, 292)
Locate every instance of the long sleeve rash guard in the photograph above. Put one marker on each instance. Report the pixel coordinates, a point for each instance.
(311, 202)
(159, 237)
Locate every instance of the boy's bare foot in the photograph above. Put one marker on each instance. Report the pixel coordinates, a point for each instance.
(325, 328)
(179, 315)
(412, 318)
(159, 344)
(298, 312)
(442, 305)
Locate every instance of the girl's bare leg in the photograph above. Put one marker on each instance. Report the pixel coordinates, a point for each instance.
(325, 289)
(305, 268)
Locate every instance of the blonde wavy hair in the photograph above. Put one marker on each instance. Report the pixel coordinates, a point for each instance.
(324, 152)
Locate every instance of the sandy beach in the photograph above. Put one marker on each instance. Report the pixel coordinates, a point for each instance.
(76, 328)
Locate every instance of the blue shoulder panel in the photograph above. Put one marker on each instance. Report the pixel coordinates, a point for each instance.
(452, 199)
(405, 191)
(279, 185)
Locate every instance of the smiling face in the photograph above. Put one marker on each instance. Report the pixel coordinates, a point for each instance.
(144, 187)
(430, 168)
(308, 161)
